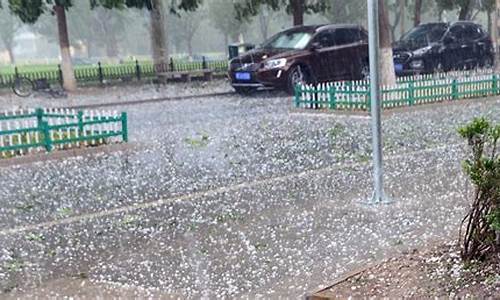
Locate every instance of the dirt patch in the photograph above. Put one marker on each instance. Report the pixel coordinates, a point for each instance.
(434, 273)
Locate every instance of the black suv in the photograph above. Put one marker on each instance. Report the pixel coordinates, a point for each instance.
(435, 47)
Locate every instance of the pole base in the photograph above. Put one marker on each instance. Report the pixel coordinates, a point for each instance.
(378, 199)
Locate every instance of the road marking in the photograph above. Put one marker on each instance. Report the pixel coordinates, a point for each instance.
(214, 192)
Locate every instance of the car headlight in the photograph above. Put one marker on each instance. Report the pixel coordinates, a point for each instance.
(417, 64)
(422, 51)
(275, 63)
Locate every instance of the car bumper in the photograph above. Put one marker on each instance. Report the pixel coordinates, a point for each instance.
(410, 72)
(249, 84)
(261, 78)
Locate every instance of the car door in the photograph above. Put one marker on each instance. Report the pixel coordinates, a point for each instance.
(456, 48)
(321, 63)
(350, 52)
(478, 44)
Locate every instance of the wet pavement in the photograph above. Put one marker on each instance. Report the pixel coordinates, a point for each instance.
(233, 196)
(95, 95)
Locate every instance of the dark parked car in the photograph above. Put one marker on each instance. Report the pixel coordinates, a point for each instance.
(443, 47)
(303, 54)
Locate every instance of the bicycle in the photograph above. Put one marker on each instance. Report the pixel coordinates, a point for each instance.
(25, 87)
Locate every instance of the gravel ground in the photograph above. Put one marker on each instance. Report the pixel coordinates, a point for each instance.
(233, 196)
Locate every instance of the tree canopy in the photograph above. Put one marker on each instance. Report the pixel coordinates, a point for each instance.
(249, 8)
(30, 10)
(465, 7)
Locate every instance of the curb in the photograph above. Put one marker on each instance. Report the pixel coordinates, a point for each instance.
(61, 154)
(395, 110)
(147, 101)
(323, 293)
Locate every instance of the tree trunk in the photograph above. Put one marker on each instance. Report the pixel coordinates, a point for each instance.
(298, 12)
(387, 74)
(495, 33)
(110, 42)
(10, 50)
(226, 44)
(417, 18)
(190, 46)
(465, 11)
(69, 81)
(264, 24)
(89, 45)
(402, 13)
(394, 26)
(111, 46)
(158, 35)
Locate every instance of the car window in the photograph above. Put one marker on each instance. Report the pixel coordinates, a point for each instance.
(288, 40)
(346, 36)
(472, 32)
(423, 35)
(325, 39)
(457, 32)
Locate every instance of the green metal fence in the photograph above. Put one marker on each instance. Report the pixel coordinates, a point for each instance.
(409, 91)
(35, 130)
(101, 73)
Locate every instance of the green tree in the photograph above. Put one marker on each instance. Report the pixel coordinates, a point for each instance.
(30, 10)
(297, 8)
(223, 16)
(346, 11)
(9, 25)
(465, 7)
(157, 9)
(185, 25)
(354, 11)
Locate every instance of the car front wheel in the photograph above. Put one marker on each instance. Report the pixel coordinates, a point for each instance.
(487, 62)
(298, 75)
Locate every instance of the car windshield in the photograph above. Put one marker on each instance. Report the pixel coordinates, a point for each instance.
(289, 40)
(424, 35)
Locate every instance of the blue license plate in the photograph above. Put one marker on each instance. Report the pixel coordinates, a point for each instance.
(243, 76)
(398, 67)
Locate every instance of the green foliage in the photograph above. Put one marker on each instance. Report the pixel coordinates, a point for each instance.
(223, 16)
(482, 223)
(466, 6)
(336, 131)
(494, 219)
(477, 128)
(28, 10)
(248, 8)
(341, 11)
(198, 142)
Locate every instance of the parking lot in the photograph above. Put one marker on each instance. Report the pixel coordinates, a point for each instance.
(233, 196)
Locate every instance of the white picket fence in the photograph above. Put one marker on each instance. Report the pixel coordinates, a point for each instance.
(35, 130)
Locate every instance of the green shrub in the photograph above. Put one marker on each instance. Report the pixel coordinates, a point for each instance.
(482, 223)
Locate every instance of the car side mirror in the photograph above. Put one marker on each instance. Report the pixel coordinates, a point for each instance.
(315, 46)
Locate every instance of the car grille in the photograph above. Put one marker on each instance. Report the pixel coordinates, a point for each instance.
(401, 57)
(245, 67)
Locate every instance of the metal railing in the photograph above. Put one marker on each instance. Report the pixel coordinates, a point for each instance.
(102, 73)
